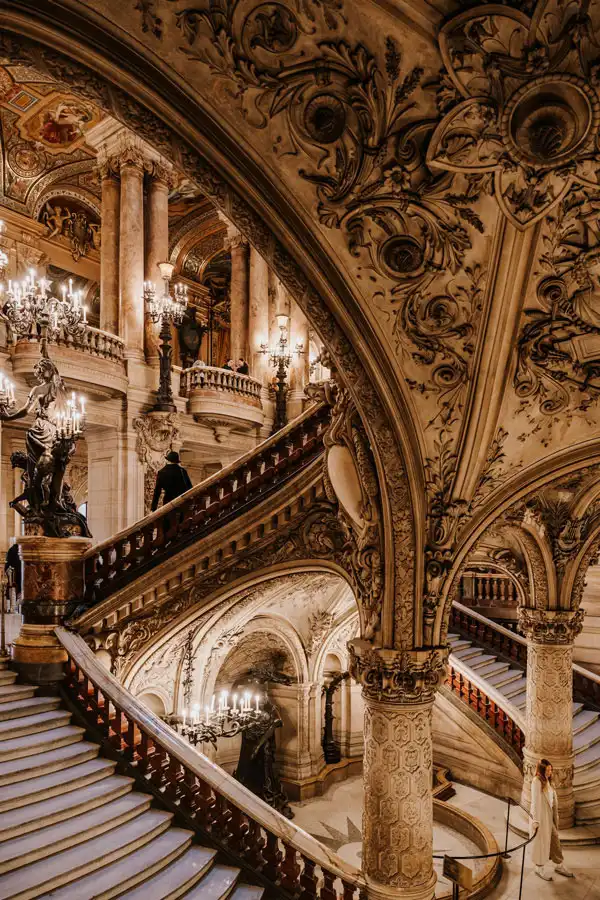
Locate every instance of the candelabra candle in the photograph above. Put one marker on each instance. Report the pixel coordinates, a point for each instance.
(7, 392)
(29, 302)
(71, 423)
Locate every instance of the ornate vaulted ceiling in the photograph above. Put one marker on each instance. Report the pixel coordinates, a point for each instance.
(436, 167)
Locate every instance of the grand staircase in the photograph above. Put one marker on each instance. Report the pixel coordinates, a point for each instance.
(71, 829)
(506, 677)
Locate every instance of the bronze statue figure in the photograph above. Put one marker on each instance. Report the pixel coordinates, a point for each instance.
(42, 501)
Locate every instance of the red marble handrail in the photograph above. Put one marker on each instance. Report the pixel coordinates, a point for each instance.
(117, 562)
(487, 709)
(218, 808)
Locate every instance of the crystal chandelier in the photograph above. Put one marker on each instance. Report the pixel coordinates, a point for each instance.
(222, 721)
(3, 255)
(29, 302)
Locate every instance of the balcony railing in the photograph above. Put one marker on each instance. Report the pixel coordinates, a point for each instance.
(131, 553)
(212, 378)
(284, 858)
(92, 341)
(488, 589)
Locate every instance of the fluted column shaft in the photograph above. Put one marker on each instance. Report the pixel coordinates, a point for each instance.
(157, 246)
(109, 250)
(131, 253)
(398, 691)
(549, 711)
(239, 297)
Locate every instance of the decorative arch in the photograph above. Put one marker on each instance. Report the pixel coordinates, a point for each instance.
(108, 68)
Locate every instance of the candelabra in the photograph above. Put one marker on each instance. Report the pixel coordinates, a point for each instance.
(3, 255)
(280, 357)
(29, 303)
(222, 721)
(167, 309)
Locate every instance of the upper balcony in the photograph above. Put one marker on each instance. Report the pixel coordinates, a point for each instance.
(93, 362)
(216, 394)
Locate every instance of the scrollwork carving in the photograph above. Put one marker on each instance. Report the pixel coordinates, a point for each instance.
(396, 676)
(545, 626)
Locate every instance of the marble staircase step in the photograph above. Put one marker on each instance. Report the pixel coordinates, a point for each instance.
(514, 688)
(459, 648)
(34, 790)
(583, 719)
(7, 677)
(588, 737)
(11, 692)
(43, 763)
(219, 883)
(21, 851)
(115, 875)
(38, 878)
(32, 744)
(32, 816)
(586, 758)
(520, 701)
(503, 678)
(247, 892)
(487, 665)
(18, 708)
(12, 728)
(180, 877)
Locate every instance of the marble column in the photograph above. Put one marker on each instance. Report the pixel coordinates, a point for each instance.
(131, 251)
(157, 245)
(549, 713)
(239, 248)
(398, 691)
(258, 317)
(109, 249)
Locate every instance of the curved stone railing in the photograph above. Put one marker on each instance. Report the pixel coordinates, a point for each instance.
(118, 561)
(212, 378)
(212, 803)
(93, 341)
(488, 703)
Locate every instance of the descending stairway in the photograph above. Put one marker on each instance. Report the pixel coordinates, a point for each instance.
(70, 829)
(510, 680)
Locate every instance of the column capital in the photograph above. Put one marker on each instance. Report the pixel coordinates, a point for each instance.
(397, 676)
(108, 169)
(162, 173)
(558, 627)
(235, 240)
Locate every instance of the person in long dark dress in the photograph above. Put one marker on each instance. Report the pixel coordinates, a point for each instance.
(256, 767)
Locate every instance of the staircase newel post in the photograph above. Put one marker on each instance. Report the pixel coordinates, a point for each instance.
(53, 578)
(549, 712)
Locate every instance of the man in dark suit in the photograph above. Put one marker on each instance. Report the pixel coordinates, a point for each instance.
(171, 481)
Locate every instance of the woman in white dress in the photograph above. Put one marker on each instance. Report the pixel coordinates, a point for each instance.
(544, 823)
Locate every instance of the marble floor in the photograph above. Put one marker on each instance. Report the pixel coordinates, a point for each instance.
(335, 819)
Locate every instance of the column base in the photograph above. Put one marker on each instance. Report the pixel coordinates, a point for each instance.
(377, 891)
(39, 658)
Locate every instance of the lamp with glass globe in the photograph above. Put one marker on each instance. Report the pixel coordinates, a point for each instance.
(166, 309)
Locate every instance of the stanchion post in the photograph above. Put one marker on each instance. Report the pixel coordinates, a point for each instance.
(506, 854)
(522, 869)
(4, 656)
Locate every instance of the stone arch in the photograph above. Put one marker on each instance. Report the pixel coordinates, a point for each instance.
(158, 106)
(511, 493)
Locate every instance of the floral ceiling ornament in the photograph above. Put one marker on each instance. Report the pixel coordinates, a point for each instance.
(351, 118)
(530, 111)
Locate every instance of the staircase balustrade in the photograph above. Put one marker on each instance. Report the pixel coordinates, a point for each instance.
(118, 561)
(476, 627)
(225, 813)
(488, 589)
(92, 341)
(213, 378)
(478, 698)
(586, 686)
